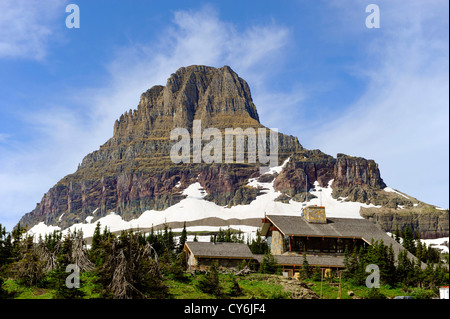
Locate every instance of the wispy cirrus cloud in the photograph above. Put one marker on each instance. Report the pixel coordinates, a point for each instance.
(27, 26)
(401, 117)
(193, 37)
(4, 137)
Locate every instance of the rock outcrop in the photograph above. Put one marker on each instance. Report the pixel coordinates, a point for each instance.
(306, 167)
(424, 220)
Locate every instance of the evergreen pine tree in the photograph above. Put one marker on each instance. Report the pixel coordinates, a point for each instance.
(361, 259)
(419, 250)
(220, 236)
(178, 267)
(441, 276)
(228, 237)
(59, 275)
(390, 266)
(397, 234)
(317, 274)
(183, 239)
(210, 282)
(240, 237)
(95, 251)
(168, 242)
(346, 258)
(268, 264)
(405, 269)
(5, 248)
(352, 265)
(29, 269)
(258, 245)
(306, 269)
(236, 290)
(148, 280)
(408, 240)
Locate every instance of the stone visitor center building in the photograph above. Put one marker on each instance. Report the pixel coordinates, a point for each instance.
(323, 239)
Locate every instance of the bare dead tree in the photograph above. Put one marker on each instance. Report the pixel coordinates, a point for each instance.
(79, 254)
(149, 252)
(48, 257)
(121, 285)
(125, 265)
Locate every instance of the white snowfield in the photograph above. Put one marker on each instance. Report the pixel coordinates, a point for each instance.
(195, 207)
(391, 190)
(439, 243)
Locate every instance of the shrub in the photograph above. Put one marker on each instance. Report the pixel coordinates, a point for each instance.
(210, 282)
(269, 264)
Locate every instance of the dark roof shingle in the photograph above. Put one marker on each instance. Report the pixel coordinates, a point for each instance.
(219, 250)
(335, 227)
(319, 260)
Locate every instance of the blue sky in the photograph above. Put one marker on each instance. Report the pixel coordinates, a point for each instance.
(315, 71)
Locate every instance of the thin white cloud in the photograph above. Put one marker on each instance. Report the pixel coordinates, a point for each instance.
(195, 37)
(4, 137)
(401, 120)
(26, 27)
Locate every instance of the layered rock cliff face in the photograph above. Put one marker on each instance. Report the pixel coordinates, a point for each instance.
(133, 171)
(422, 219)
(306, 167)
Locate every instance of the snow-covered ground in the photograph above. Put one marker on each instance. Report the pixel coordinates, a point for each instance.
(437, 243)
(391, 190)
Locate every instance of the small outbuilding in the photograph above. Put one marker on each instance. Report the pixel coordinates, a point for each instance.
(200, 255)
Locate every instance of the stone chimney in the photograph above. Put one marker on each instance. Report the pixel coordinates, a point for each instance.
(315, 214)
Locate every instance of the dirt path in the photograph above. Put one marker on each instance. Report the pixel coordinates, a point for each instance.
(298, 289)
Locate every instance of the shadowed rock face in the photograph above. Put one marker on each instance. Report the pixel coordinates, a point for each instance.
(133, 172)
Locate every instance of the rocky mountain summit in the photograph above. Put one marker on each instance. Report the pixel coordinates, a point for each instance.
(134, 172)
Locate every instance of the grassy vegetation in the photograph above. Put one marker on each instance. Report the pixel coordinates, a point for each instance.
(252, 286)
(18, 291)
(256, 286)
(329, 289)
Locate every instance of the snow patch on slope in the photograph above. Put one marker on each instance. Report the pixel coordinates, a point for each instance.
(335, 207)
(438, 243)
(42, 229)
(391, 190)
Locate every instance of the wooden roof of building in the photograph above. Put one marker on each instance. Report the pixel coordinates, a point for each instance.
(219, 250)
(316, 260)
(335, 227)
(321, 260)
